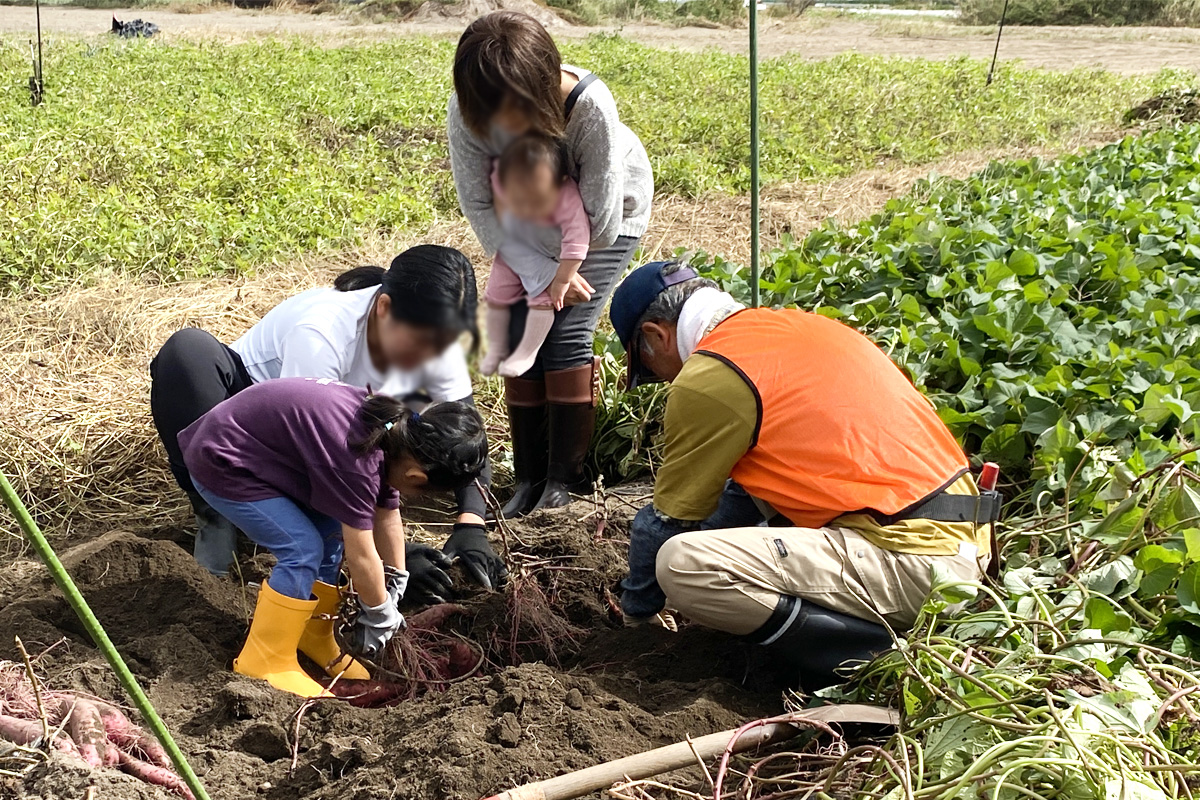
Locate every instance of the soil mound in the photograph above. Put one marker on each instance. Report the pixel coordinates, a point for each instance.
(563, 686)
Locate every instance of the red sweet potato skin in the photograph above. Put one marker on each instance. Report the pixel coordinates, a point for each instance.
(159, 776)
(86, 728)
(26, 732)
(435, 617)
(124, 734)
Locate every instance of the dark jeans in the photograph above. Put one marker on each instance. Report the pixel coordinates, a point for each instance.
(192, 373)
(569, 343)
(641, 595)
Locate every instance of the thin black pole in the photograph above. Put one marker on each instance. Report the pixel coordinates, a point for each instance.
(36, 85)
(996, 52)
(754, 177)
(38, 6)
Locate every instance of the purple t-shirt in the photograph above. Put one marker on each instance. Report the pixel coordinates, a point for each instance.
(292, 438)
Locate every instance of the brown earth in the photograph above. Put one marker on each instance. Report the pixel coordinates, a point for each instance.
(1132, 50)
(563, 685)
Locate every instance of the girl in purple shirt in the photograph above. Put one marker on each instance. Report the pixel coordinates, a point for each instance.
(311, 469)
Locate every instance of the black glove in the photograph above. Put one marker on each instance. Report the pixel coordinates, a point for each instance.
(469, 543)
(428, 583)
(374, 627)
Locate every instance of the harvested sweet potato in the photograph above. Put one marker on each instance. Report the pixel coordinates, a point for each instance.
(434, 617)
(86, 728)
(28, 732)
(159, 776)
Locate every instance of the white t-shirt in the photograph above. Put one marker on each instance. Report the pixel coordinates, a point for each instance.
(322, 333)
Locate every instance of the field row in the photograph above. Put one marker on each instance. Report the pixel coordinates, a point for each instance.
(193, 159)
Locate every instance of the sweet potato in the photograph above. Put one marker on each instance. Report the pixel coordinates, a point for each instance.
(28, 732)
(125, 735)
(156, 775)
(434, 617)
(86, 728)
(369, 694)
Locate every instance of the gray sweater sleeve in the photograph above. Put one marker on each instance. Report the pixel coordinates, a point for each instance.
(472, 168)
(600, 159)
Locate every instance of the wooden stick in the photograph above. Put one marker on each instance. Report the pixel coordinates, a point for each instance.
(37, 692)
(682, 754)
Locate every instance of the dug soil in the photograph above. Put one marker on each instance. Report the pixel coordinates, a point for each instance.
(561, 685)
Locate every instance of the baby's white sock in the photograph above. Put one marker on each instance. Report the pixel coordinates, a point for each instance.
(537, 327)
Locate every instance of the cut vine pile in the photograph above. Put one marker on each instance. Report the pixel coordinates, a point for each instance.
(562, 686)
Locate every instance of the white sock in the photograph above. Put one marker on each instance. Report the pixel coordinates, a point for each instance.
(497, 338)
(537, 327)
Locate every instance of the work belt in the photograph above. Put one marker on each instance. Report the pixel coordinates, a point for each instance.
(983, 509)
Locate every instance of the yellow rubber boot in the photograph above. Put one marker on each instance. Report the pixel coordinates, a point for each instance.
(270, 649)
(318, 643)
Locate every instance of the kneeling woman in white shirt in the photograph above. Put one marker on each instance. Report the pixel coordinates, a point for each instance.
(394, 332)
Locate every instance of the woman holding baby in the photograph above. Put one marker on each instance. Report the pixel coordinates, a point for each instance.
(559, 190)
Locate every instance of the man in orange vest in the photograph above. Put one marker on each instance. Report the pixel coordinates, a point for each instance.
(807, 491)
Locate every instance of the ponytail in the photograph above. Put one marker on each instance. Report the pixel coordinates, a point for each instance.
(447, 440)
(359, 278)
(430, 286)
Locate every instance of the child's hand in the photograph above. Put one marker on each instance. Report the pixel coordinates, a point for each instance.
(558, 292)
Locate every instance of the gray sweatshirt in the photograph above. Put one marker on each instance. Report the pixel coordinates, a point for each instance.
(607, 160)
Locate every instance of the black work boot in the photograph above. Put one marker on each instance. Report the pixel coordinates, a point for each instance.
(527, 421)
(818, 641)
(571, 402)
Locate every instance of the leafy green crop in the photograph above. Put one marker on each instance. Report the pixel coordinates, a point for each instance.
(185, 159)
(1050, 309)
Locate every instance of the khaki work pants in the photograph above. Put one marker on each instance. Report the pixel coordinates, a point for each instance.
(731, 580)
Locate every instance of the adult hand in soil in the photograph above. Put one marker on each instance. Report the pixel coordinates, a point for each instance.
(428, 582)
(373, 628)
(469, 544)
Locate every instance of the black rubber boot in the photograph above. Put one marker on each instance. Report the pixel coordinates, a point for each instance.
(527, 419)
(570, 398)
(818, 641)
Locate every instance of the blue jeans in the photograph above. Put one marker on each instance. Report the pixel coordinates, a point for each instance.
(641, 595)
(307, 545)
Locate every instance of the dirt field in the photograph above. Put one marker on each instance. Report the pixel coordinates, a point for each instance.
(562, 685)
(1119, 49)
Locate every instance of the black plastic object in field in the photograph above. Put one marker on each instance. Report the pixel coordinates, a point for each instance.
(134, 28)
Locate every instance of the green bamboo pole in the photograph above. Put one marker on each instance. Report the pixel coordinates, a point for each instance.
(754, 185)
(96, 631)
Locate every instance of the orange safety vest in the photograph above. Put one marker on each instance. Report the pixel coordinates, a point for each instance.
(840, 427)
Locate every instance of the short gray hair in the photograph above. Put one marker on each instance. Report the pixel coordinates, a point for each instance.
(669, 304)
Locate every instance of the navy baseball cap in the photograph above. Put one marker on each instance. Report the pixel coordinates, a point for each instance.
(629, 303)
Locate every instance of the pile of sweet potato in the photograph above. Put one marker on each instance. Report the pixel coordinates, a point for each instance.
(92, 730)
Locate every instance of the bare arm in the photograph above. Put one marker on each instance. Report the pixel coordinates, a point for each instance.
(365, 565)
(562, 282)
(389, 537)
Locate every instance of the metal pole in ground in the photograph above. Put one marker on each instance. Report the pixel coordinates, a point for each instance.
(75, 600)
(754, 182)
(996, 52)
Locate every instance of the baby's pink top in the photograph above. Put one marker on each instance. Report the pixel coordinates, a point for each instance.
(569, 215)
